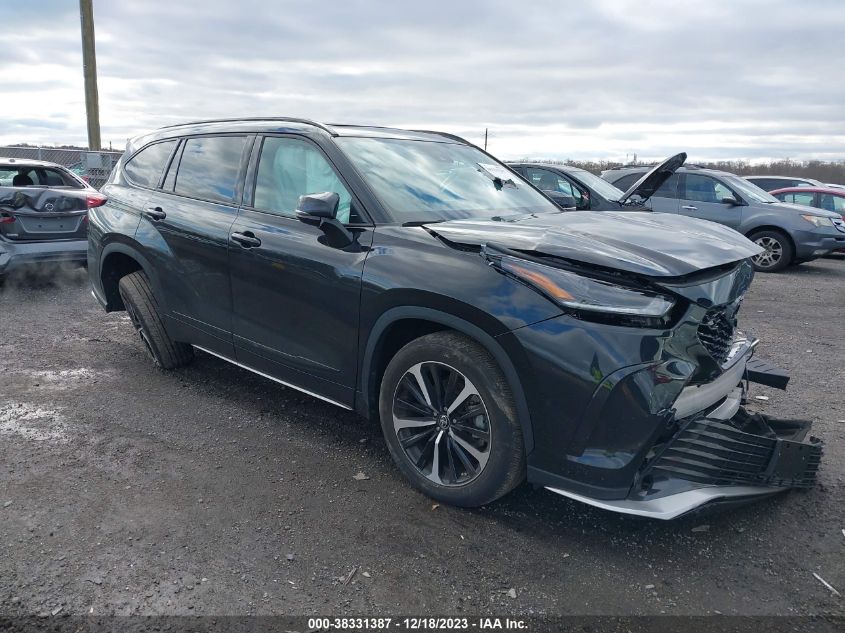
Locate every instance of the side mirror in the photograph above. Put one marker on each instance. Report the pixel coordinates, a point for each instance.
(320, 210)
(730, 201)
(563, 200)
(313, 207)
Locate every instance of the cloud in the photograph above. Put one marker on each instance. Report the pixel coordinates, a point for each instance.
(603, 79)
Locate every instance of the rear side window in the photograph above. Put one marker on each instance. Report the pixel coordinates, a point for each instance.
(209, 167)
(145, 167)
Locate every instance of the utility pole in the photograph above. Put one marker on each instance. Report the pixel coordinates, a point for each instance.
(89, 69)
(485, 139)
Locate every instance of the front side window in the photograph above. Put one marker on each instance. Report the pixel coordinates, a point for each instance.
(546, 180)
(431, 181)
(832, 202)
(289, 168)
(209, 168)
(669, 189)
(804, 197)
(145, 167)
(701, 188)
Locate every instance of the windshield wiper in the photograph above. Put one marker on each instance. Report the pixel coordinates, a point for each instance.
(421, 222)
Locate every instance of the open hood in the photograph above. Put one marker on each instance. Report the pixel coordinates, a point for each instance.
(651, 181)
(652, 244)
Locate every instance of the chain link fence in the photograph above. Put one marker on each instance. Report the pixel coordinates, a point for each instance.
(93, 167)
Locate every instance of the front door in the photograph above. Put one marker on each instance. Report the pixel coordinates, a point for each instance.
(295, 298)
(702, 198)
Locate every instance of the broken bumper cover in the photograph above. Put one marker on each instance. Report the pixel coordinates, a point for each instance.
(720, 454)
(19, 254)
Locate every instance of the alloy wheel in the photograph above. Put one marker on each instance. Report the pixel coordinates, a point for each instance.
(442, 424)
(771, 255)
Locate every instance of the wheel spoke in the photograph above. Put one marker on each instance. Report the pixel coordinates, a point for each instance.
(422, 391)
(470, 469)
(414, 439)
(470, 412)
(410, 423)
(435, 462)
(479, 433)
(469, 448)
(417, 408)
(466, 392)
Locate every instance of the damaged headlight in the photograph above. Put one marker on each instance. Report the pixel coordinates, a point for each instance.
(572, 290)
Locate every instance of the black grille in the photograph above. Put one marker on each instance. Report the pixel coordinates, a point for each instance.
(715, 453)
(716, 333)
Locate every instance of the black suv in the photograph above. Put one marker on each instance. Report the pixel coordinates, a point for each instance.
(414, 278)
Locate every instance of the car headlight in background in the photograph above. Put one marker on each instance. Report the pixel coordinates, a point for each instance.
(572, 290)
(818, 220)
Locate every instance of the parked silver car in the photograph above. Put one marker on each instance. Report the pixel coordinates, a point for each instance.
(789, 233)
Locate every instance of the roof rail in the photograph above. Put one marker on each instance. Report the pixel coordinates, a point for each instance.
(325, 128)
(454, 137)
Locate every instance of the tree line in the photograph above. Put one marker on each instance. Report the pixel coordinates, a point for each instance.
(824, 171)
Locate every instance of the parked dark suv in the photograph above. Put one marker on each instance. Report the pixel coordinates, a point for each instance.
(414, 278)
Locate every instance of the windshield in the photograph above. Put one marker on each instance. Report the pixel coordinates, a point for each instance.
(428, 181)
(750, 190)
(600, 186)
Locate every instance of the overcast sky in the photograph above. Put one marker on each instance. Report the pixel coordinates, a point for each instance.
(598, 79)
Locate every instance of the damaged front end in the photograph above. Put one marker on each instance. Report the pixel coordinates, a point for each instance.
(663, 438)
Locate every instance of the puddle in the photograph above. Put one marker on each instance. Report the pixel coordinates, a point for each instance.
(32, 422)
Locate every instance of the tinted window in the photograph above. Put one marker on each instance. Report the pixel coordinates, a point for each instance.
(546, 180)
(209, 167)
(770, 184)
(289, 168)
(669, 189)
(170, 178)
(146, 166)
(626, 181)
(705, 189)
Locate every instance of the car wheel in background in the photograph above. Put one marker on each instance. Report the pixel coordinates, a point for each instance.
(143, 311)
(777, 254)
(450, 422)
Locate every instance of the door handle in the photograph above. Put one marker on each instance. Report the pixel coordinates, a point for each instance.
(689, 207)
(155, 213)
(247, 240)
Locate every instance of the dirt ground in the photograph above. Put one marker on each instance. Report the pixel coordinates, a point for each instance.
(209, 490)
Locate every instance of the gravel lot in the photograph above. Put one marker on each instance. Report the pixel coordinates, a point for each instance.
(208, 490)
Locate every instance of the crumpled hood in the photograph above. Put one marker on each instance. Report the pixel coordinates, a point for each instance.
(652, 244)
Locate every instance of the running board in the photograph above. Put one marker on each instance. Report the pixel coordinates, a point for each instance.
(274, 379)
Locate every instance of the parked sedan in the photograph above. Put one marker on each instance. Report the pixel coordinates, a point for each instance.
(828, 197)
(770, 183)
(43, 214)
(788, 233)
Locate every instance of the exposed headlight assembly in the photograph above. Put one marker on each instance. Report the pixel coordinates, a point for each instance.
(577, 292)
(818, 220)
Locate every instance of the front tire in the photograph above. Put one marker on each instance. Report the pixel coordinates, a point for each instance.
(448, 416)
(144, 312)
(778, 253)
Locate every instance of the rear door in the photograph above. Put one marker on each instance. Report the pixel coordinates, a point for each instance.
(185, 228)
(296, 299)
(702, 198)
(51, 206)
